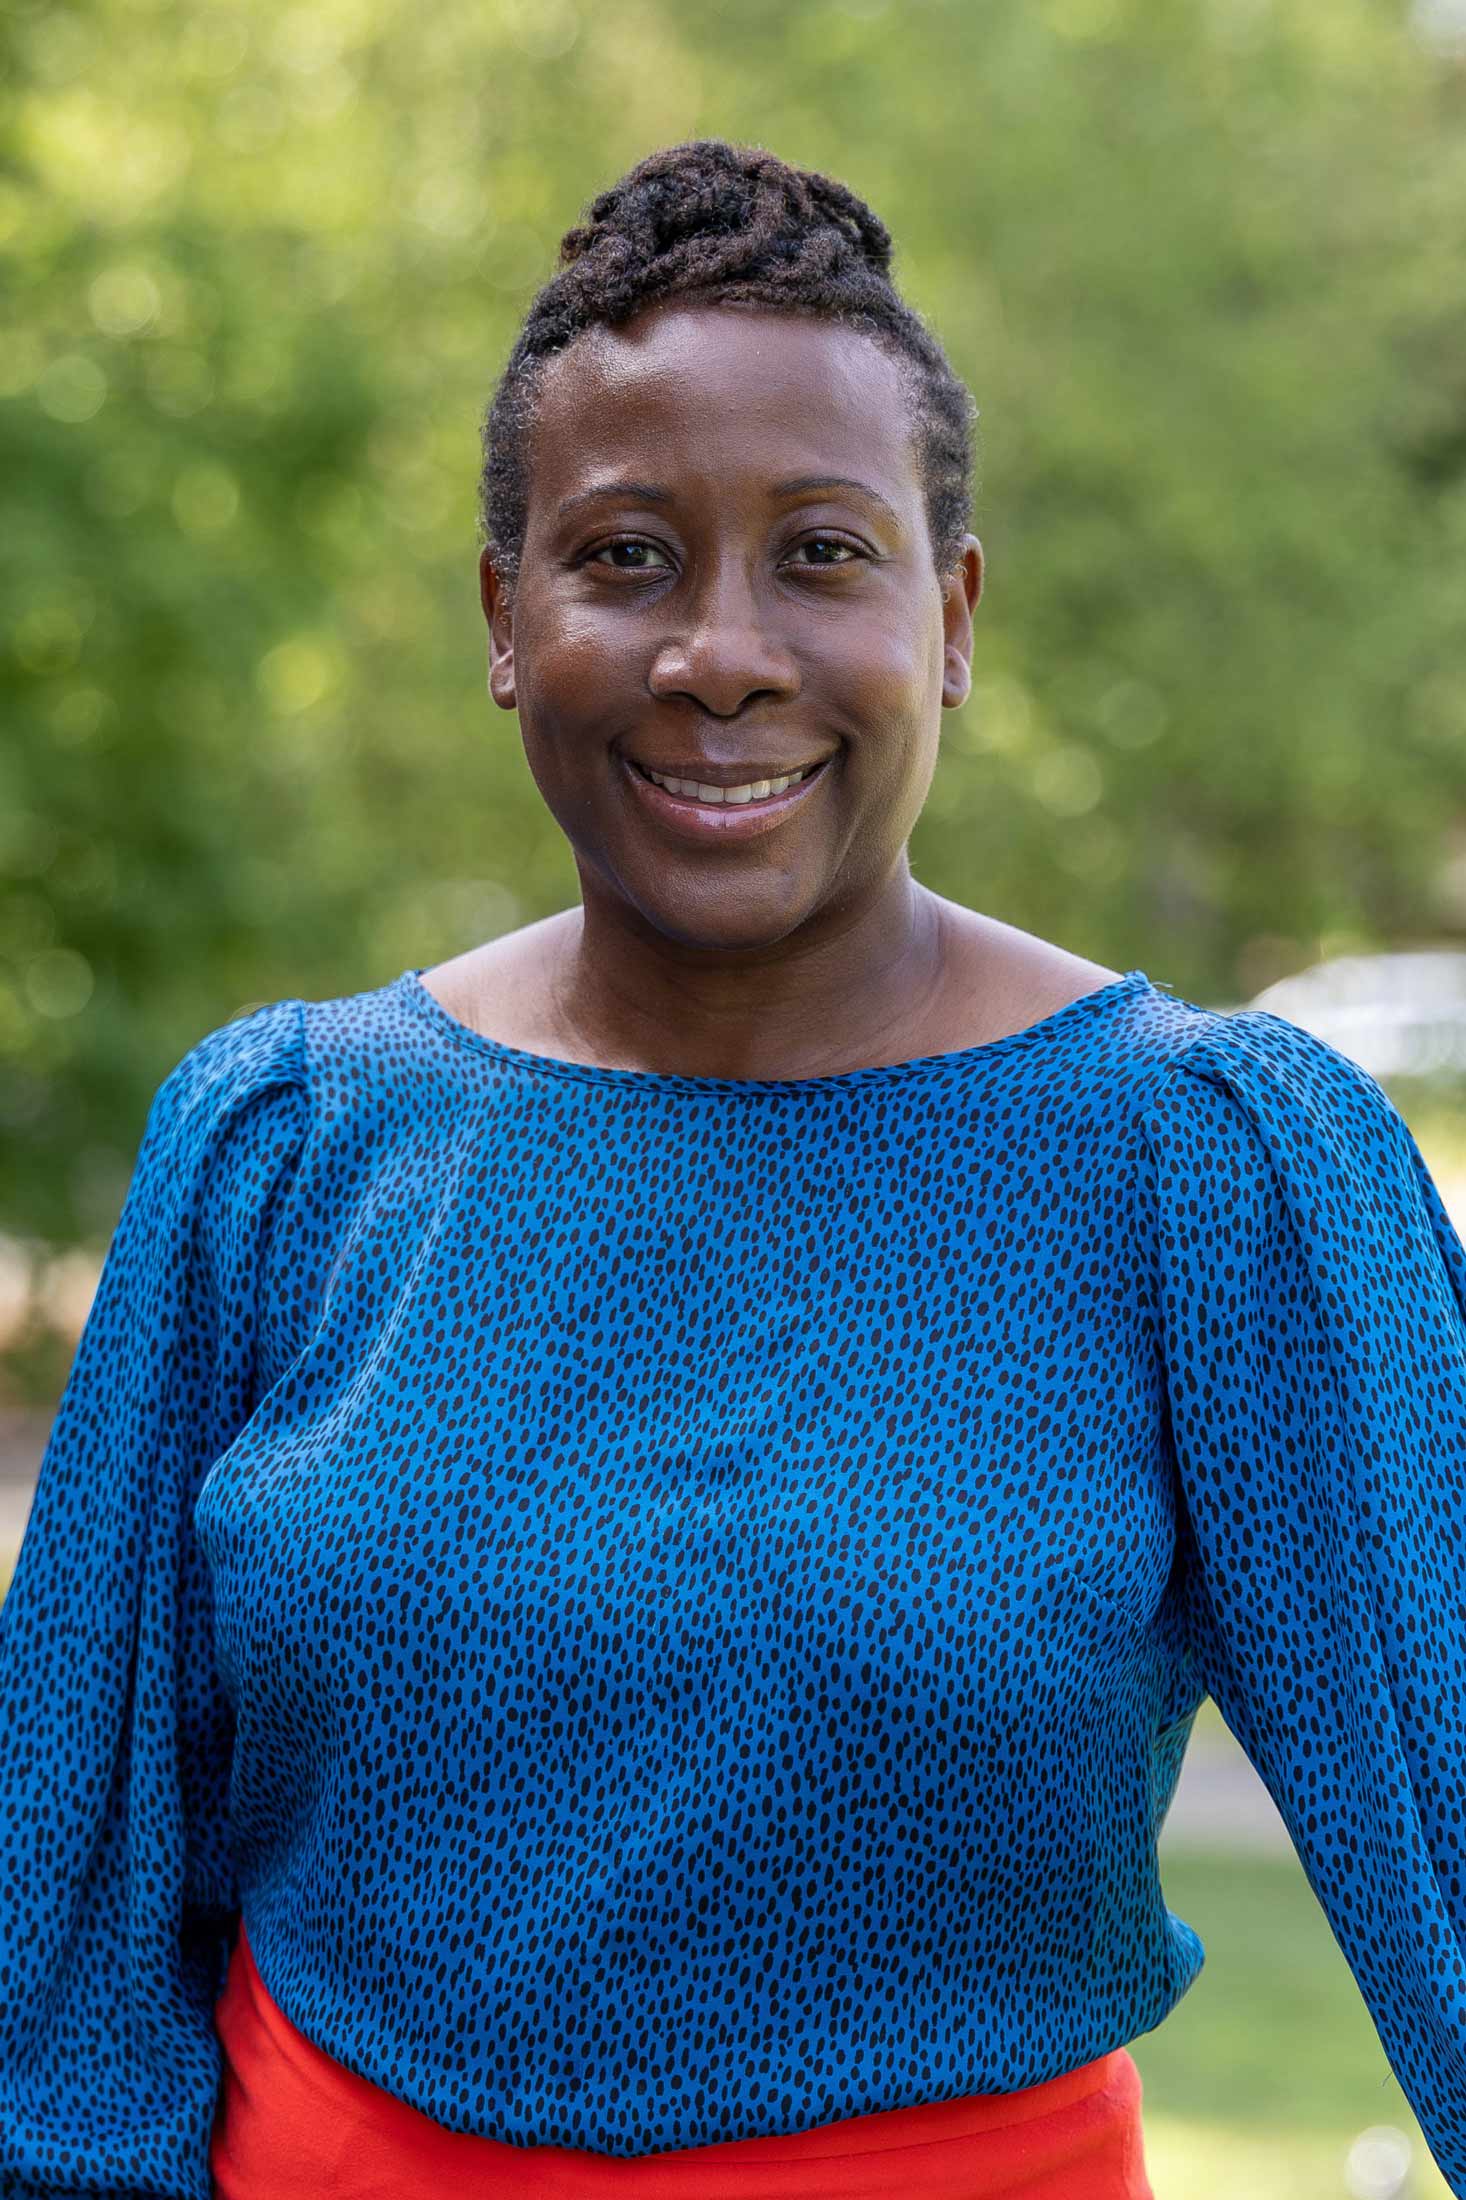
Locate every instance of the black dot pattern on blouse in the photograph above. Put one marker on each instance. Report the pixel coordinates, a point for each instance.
(673, 1606)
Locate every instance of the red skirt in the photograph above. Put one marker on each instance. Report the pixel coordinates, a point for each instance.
(293, 2124)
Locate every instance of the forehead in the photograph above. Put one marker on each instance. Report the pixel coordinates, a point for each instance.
(715, 392)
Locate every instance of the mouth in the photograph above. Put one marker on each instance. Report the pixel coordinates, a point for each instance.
(692, 808)
(759, 784)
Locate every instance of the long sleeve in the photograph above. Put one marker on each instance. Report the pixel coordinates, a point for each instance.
(116, 1890)
(1310, 1302)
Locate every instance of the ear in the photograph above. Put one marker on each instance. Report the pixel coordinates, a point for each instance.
(960, 598)
(499, 618)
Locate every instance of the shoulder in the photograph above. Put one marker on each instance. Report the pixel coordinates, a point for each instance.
(1286, 1190)
(1272, 1081)
(229, 1118)
(1266, 1142)
(224, 1128)
(260, 1051)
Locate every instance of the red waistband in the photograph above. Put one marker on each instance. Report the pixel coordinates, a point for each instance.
(293, 2124)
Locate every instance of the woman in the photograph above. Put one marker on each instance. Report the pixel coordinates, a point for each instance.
(642, 1516)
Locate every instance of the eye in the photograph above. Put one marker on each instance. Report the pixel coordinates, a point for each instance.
(848, 552)
(642, 553)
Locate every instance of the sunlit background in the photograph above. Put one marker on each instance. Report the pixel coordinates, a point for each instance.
(1204, 265)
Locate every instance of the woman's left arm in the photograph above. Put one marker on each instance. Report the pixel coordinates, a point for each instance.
(1310, 1304)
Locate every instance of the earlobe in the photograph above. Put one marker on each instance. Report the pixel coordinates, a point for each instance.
(498, 616)
(501, 676)
(956, 679)
(959, 600)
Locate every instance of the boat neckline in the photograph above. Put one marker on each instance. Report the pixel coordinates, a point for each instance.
(425, 1003)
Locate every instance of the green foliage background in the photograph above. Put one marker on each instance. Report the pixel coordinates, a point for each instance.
(1203, 262)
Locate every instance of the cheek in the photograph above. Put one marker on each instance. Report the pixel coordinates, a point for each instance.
(569, 669)
(889, 674)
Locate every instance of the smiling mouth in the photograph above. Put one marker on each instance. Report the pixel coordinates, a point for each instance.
(746, 791)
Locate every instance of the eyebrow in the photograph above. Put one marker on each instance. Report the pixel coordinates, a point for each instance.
(650, 492)
(626, 492)
(803, 484)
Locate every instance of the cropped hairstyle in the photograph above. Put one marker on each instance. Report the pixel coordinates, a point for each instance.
(710, 223)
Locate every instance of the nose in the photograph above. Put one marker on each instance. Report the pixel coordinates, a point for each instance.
(722, 654)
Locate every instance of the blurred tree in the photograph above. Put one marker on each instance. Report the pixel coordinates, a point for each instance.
(1202, 261)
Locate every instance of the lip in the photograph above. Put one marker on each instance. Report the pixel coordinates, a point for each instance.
(692, 820)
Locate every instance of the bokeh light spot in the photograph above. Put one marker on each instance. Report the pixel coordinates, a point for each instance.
(124, 300)
(205, 500)
(297, 674)
(58, 982)
(72, 388)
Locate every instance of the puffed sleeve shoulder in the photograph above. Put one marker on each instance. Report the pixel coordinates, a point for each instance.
(117, 1897)
(1310, 1303)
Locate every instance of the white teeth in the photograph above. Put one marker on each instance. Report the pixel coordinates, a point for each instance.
(757, 790)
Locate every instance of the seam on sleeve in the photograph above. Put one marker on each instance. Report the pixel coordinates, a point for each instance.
(1147, 1198)
(284, 1185)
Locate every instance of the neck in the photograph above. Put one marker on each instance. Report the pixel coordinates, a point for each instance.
(850, 990)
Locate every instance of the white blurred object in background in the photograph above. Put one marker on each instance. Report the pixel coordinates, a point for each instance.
(1395, 1015)
(1441, 23)
(1378, 2165)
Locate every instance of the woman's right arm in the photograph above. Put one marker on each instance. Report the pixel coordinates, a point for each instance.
(117, 1894)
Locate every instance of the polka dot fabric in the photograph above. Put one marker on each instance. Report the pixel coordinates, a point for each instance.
(672, 1607)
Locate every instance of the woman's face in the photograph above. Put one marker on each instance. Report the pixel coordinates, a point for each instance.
(726, 578)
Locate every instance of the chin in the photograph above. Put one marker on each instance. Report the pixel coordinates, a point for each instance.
(727, 924)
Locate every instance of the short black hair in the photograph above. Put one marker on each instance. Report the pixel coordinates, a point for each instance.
(711, 222)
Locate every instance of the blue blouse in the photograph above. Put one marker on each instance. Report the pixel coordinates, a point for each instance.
(673, 1605)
